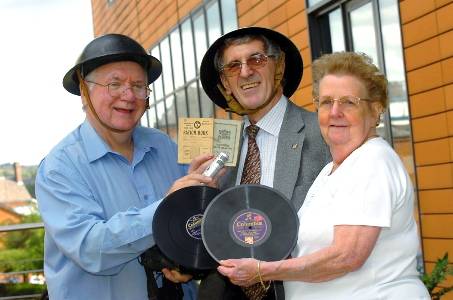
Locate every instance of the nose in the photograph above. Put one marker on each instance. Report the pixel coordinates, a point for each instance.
(127, 94)
(246, 71)
(336, 109)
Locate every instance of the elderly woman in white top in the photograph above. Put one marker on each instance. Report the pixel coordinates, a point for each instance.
(357, 235)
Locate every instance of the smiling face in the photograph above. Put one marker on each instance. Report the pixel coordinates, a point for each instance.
(252, 87)
(123, 111)
(344, 130)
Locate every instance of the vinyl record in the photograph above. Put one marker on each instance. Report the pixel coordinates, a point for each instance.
(177, 227)
(253, 221)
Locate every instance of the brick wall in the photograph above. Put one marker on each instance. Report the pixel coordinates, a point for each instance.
(427, 28)
(146, 21)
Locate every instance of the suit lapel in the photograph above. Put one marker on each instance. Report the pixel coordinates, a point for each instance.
(289, 151)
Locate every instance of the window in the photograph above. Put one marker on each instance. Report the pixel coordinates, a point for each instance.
(178, 92)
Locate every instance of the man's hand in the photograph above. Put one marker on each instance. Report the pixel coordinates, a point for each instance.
(175, 276)
(196, 168)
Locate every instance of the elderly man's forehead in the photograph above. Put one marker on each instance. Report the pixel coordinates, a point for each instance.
(121, 68)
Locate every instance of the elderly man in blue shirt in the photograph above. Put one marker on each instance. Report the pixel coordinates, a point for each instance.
(99, 188)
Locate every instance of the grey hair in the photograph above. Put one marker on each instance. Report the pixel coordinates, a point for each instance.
(270, 47)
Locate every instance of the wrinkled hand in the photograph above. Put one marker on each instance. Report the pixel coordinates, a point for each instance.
(175, 276)
(194, 177)
(242, 272)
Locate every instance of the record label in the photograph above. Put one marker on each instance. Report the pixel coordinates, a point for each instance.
(193, 226)
(177, 227)
(250, 227)
(249, 220)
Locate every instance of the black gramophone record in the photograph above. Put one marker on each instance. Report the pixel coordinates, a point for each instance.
(250, 221)
(177, 227)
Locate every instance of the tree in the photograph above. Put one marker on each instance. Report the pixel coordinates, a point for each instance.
(23, 250)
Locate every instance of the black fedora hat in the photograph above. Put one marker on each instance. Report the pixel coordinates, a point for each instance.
(107, 49)
(292, 76)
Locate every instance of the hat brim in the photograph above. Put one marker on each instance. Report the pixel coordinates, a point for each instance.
(151, 64)
(292, 76)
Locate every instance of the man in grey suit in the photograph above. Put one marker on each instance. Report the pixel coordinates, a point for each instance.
(252, 72)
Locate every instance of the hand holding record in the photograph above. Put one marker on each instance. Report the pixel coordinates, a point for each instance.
(250, 221)
(177, 224)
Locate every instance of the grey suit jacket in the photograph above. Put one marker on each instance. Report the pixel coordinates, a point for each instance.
(301, 154)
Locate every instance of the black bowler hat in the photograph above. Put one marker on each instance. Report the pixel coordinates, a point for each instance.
(210, 76)
(107, 49)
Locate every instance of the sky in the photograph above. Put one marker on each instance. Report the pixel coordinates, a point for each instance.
(40, 42)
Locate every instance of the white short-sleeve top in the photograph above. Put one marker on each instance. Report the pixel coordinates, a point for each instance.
(371, 187)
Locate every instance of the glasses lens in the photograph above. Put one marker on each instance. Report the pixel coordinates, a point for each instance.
(349, 101)
(257, 61)
(325, 102)
(232, 68)
(140, 91)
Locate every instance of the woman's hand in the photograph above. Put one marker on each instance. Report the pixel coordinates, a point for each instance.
(242, 272)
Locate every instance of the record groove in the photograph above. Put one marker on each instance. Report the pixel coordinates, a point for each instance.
(250, 221)
(177, 227)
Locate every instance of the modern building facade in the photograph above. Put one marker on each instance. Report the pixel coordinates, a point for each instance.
(411, 41)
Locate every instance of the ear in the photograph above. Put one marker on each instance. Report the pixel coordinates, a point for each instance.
(225, 84)
(376, 110)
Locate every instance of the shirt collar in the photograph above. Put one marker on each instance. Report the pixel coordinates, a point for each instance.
(272, 121)
(97, 147)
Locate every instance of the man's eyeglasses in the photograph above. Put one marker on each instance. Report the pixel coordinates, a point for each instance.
(116, 89)
(325, 103)
(254, 62)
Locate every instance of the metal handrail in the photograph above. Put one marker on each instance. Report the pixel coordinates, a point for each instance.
(33, 296)
(23, 226)
(20, 227)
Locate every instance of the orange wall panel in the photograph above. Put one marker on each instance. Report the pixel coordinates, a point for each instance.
(447, 70)
(446, 44)
(425, 78)
(420, 29)
(444, 18)
(428, 128)
(428, 103)
(440, 3)
(412, 9)
(417, 56)
(297, 23)
(437, 225)
(436, 248)
(424, 152)
(436, 201)
(294, 7)
(435, 177)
